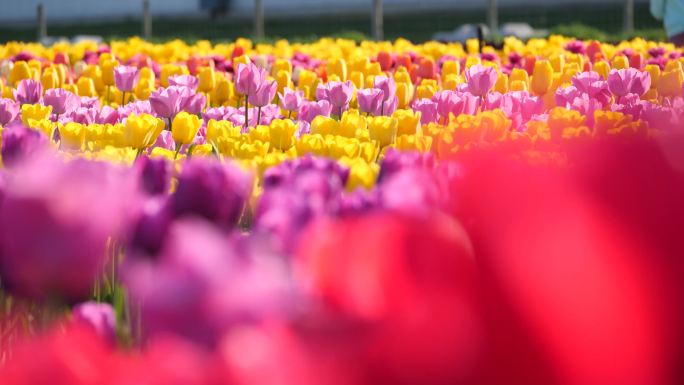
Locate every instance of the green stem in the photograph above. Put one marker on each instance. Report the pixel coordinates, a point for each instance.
(246, 110)
(123, 98)
(178, 148)
(258, 115)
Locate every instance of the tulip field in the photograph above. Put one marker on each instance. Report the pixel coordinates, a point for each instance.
(336, 212)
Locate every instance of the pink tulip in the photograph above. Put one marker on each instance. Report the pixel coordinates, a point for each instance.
(248, 78)
(125, 78)
(628, 80)
(427, 109)
(28, 91)
(387, 85)
(480, 79)
(370, 100)
(9, 110)
(61, 100)
(184, 81)
(264, 93)
(455, 102)
(291, 100)
(339, 94)
(590, 83)
(309, 110)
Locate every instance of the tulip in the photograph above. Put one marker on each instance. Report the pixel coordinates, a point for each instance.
(192, 103)
(20, 71)
(337, 93)
(100, 317)
(351, 123)
(28, 91)
(49, 79)
(61, 101)
(184, 128)
(291, 100)
(311, 144)
(20, 143)
(309, 110)
(125, 78)
(427, 109)
(212, 190)
(629, 80)
(183, 80)
(207, 79)
(35, 112)
(370, 100)
(383, 130)
(166, 102)
(86, 87)
(324, 125)
(542, 77)
(670, 83)
(9, 110)
(281, 134)
(387, 85)
(480, 79)
(408, 122)
(141, 131)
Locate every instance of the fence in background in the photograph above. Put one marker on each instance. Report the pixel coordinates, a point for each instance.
(375, 9)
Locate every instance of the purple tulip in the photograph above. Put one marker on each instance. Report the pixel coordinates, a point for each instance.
(389, 106)
(184, 81)
(56, 220)
(193, 103)
(628, 81)
(339, 94)
(214, 113)
(166, 101)
(590, 83)
(212, 190)
(165, 140)
(155, 175)
(455, 102)
(204, 283)
(309, 110)
(28, 91)
(291, 100)
(9, 110)
(100, 317)
(89, 102)
(480, 79)
(427, 109)
(248, 78)
(264, 93)
(137, 107)
(387, 85)
(151, 227)
(370, 100)
(19, 143)
(61, 100)
(575, 46)
(125, 77)
(412, 191)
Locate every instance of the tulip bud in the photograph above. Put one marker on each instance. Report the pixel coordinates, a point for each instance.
(337, 66)
(49, 79)
(619, 62)
(351, 123)
(72, 135)
(408, 122)
(223, 92)
(542, 77)
(557, 62)
(19, 72)
(107, 68)
(518, 85)
(654, 71)
(184, 127)
(281, 65)
(324, 125)
(450, 67)
(307, 79)
(86, 87)
(519, 74)
(141, 131)
(147, 73)
(207, 79)
(373, 69)
(356, 78)
(143, 89)
(385, 60)
(670, 83)
(602, 68)
(501, 85)
(311, 144)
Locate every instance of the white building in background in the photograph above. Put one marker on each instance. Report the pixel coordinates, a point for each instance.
(68, 11)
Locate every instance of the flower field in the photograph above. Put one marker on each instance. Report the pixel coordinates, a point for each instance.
(342, 213)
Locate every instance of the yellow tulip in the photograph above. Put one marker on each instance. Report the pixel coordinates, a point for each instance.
(419, 143)
(337, 66)
(143, 89)
(283, 80)
(501, 85)
(19, 72)
(619, 62)
(44, 125)
(342, 147)
(207, 79)
(356, 77)
(184, 128)
(35, 112)
(451, 67)
(324, 125)
(361, 173)
(141, 131)
(86, 87)
(408, 121)
(282, 133)
(518, 74)
(49, 79)
(654, 71)
(670, 83)
(260, 133)
(557, 62)
(107, 68)
(542, 77)
(223, 92)
(281, 65)
(382, 129)
(602, 68)
(202, 150)
(518, 85)
(72, 135)
(350, 124)
(307, 79)
(311, 144)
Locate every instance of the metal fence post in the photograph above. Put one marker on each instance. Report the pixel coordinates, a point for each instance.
(376, 20)
(493, 17)
(628, 23)
(147, 19)
(258, 19)
(42, 22)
